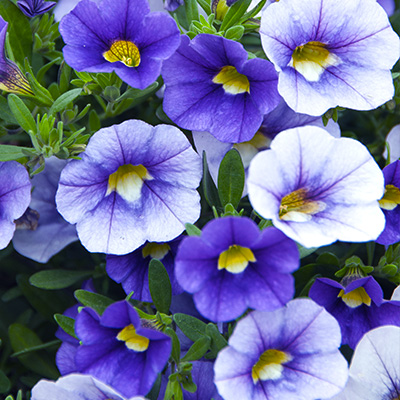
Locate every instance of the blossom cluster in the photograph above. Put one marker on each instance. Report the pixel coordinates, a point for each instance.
(214, 185)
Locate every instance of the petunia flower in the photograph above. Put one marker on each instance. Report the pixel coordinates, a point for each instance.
(233, 266)
(132, 270)
(374, 371)
(52, 233)
(212, 86)
(15, 196)
(330, 53)
(358, 306)
(135, 182)
(393, 142)
(289, 353)
(319, 189)
(390, 204)
(118, 350)
(76, 387)
(120, 36)
(31, 8)
(11, 78)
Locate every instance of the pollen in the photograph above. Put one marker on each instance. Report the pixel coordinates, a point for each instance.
(132, 340)
(123, 51)
(355, 298)
(270, 365)
(232, 81)
(127, 181)
(235, 259)
(391, 198)
(296, 207)
(155, 250)
(312, 59)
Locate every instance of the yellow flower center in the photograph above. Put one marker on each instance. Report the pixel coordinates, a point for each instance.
(269, 365)
(123, 51)
(312, 59)
(235, 259)
(391, 198)
(155, 250)
(127, 181)
(231, 81)
(132, 340)
(355, 298)
(296, 207)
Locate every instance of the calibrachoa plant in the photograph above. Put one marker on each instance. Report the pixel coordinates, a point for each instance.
(199, 200)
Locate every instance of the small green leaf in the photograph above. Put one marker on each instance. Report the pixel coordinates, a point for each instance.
(235, 32)
(62, 101)
(209, 188)
(218, 342)
(93, 300)
(192, 10)
(160, 286)
(231, 178)
(5, 112)
(197, 349)
(67, 324)
(191, 327)
(21, 113)
(9, 152)
(192, 230)
(234, 14)
(176, 346)
(5, 383)
(57, 278)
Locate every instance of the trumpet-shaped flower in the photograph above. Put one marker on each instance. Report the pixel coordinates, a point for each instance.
(15, 195)
(290, 353)
(135, 182)
(319, 189)
(233, 266)
(330, 53)
(212, 86)
(118, 350)
(358, 307)
(31, 8)
(374, 371)
(11, 78)
(119, 36)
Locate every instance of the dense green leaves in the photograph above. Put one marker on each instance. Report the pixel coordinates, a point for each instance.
(21, 113)
(62, 101)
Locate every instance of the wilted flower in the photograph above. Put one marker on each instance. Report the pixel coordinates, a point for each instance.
(330, 53)
(319, 189)
(32, 8)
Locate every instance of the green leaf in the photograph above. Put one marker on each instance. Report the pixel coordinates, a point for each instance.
(160, 286)
(192, 230)
(218, 342)
(209, 188)
(197, 349)
(62, 102)
(93, 300)
(191, 327)
(234, 14)
(57, 278)
(5, 383)
(176, 346)
(305, 251)
(19, 31)
(5, 112)
(22, 338)
(235, 32)
(231, 178)
(21, 113)
(192, 10)
(67, 324)
(9, 152)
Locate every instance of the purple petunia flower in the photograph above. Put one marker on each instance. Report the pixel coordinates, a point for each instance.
(374, 370)
(11, 78)
(132, 270)
(389, 204)
(358, 307)
(118, 350)
(31, 8)
(319, 189)
(233, 266)
(52, 233)
(76, 387)
(135, 182)
(99, 40)
(212, 86)
(388, 5)
(15, 196)
(330, 53)
(290, 353)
